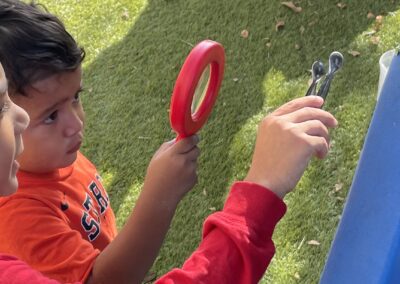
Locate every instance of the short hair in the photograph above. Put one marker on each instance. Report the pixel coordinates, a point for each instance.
(34, 44)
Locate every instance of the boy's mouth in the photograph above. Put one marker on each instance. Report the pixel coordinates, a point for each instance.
(74, 148)
(16, 165)
(19, 148)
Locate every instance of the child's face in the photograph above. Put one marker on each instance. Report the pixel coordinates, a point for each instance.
(55, 132)
(13, 121)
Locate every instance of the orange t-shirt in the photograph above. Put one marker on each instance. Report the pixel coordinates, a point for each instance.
(58, 222)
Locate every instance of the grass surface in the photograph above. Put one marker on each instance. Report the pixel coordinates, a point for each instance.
(135, 50)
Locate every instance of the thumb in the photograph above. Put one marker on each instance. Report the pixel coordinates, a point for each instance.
(186, 144)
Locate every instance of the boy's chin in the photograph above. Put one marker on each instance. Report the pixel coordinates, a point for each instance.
(69, 160)
(60, 163)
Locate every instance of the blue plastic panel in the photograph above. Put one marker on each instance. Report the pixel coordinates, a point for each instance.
(366, 248)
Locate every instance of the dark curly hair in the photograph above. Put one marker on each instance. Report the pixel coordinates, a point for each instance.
(34, 44)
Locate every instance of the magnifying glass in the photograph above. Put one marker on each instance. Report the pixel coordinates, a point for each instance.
(196, 88)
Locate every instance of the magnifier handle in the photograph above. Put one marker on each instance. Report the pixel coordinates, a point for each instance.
(179, 137)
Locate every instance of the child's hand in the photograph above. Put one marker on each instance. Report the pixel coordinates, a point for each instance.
(286, 141)
(172, 170)
(170, 174)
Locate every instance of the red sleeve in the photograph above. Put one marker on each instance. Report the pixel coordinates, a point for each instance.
(237, 242)
(14, 271)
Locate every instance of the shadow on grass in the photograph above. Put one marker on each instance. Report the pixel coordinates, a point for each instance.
(132, 81)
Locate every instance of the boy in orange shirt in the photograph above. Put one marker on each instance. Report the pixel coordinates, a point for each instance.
(60, 221)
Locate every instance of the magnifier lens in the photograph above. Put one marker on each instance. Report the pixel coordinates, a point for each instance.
(196, 88)
(201, 89)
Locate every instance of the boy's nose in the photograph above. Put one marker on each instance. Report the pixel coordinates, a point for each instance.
(74, 124)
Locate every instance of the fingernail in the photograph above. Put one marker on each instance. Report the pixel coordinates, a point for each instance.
(336, 122)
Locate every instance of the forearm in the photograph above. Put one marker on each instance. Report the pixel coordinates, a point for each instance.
(241, 233)
(132, 253)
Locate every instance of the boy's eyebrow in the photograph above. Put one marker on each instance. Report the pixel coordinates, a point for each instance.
(53, 106)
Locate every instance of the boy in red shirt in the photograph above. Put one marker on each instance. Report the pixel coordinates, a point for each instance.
(60, 221)
(13, 121)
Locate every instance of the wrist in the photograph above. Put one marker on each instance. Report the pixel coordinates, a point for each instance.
(163, 199)
(267, 184)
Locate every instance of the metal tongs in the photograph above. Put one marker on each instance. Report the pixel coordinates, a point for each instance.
(317, 72)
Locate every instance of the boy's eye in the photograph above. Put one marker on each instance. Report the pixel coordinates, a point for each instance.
(76, 97)
(51, 118)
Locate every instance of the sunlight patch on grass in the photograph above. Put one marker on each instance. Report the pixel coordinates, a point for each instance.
(112, 22)
(242, 146)
(385, 35)
(279, 90)
(107, 178)
(128, 203)
(390, 33)
(285, 268)
(274, 88)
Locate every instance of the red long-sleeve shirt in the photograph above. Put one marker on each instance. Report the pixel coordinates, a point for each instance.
(237, 242)
(236, 246)
(15, 271)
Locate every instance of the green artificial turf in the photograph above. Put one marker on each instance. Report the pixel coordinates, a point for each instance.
(134, 52)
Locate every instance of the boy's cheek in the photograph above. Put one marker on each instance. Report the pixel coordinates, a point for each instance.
(82, 115)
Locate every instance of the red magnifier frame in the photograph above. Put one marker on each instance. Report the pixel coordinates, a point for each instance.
(183, 121)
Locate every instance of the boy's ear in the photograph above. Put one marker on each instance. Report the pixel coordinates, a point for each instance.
(13, 93)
